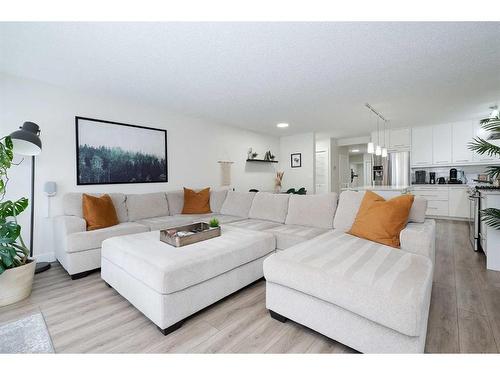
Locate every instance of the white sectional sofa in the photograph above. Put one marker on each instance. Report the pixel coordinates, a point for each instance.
(369, 296)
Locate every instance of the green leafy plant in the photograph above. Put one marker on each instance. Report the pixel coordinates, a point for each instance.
(13, 250)
(213, 223)
(491, 216)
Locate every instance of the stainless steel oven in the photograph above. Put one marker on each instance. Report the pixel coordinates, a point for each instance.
(474, 219)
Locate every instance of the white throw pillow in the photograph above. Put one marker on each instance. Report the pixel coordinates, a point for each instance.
(144, 206)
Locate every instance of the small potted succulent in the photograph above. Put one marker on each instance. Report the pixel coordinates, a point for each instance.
(213, 223)
(17, 269)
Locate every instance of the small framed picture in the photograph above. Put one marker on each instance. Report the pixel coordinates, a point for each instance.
(296, 160)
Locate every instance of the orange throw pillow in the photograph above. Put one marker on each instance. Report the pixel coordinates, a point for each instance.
(196, 202)
(381, 221)
(98, 212)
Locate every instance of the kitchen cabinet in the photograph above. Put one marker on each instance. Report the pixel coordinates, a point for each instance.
(462, 134)
(399, 139)
(481, 133)
(441, 144)
(437, 199)
(458, 203)
(489, 236)
(421, 146)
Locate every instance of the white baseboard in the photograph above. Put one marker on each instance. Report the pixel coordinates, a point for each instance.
(46, 257)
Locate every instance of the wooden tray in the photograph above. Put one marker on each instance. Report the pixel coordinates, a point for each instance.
(201, 232)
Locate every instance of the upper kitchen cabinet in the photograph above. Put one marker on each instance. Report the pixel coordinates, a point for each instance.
(421, 146)
(441, 144)
(481, 133)
(462, 134)
(399, 139)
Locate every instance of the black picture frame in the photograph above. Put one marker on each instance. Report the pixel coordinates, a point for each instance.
(295, 163)
(161, 132)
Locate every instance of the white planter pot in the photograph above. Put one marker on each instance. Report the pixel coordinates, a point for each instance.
(16, 283)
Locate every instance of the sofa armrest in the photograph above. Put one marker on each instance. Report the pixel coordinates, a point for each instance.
(419, 238)
(69, 224)
(64, 226)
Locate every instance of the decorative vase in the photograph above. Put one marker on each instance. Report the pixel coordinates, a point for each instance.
(16, 283)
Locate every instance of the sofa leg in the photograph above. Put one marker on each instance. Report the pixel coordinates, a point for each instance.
(80, 275)
(278, 317)
(172, 328)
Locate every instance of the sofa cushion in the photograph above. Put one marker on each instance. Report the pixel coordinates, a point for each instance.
(82, 241)
(255, 224)
(269, 206)
(381, 220)
(164, 222)
(167, 269)
(417, 212)
(175, 200)
(348, 206)
(143, 206)
(223, 219)
(217, 198)
(98, 212)
(312, 210)
(350, 201)
(372, 280)
(72, 204)
(290, 235)
(237, 203)
(196, 202)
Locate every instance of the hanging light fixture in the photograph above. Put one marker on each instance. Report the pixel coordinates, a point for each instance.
(384, 149)
(370, 147)
(378, 149)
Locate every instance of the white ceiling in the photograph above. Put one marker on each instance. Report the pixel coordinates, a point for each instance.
(315, 76)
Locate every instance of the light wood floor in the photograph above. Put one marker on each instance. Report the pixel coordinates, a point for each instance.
(86, 316)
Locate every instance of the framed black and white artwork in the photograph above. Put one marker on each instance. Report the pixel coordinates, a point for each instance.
(296, 160)
(115, 153)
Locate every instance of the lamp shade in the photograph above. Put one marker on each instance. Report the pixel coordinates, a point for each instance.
(26, 140)
(370, 148)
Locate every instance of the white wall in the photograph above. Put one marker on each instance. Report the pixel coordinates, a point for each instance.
(323, 146)
(194, 147)
(305, 175)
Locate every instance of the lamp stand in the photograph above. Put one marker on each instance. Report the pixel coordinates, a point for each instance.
(42, 266)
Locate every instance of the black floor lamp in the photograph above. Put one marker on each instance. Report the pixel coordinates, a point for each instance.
(27, 142)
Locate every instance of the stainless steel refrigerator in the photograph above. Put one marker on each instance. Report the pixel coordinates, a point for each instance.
(394, 170)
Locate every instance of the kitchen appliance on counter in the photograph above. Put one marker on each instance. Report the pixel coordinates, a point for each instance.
(432, 178)
(393, 170)
(420, 177)
(441, 181)
(453, 179)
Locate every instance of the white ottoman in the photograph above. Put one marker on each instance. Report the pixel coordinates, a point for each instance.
(168, 284)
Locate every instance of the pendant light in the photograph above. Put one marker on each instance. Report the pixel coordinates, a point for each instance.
(370, 148)
(378, 149)
(384, 149)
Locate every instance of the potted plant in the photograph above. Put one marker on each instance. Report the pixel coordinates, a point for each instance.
(16, 267)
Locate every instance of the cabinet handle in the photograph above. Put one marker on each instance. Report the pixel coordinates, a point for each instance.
(442, 161)
(459, 161)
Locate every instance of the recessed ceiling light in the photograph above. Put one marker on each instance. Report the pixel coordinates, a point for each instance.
(282, 125)
(355, 150)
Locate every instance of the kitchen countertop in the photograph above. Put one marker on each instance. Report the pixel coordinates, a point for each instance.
(440, 186)
(378, 187)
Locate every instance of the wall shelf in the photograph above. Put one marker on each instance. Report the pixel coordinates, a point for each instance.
(262, 161)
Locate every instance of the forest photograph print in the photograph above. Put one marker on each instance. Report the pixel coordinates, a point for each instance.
(115, 153)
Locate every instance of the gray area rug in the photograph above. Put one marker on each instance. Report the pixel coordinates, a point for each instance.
(26, 335)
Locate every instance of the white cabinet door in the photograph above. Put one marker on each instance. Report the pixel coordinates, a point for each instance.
(441, 144)
(481, 133)
(399, 139)
(421, 146)
(458, 202)
(462, 134)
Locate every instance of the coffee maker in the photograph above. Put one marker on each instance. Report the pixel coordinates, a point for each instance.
(432, 178)
(454, 177)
